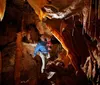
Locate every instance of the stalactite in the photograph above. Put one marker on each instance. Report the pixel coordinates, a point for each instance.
(37, 5)
(2, 8)
(89, 19)
(96, 17)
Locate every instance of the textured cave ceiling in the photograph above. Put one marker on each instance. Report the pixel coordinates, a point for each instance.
(15, 9)
(32, 10)
(23, 5)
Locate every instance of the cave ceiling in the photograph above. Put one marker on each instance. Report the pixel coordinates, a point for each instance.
(34, 11)
(35, 5)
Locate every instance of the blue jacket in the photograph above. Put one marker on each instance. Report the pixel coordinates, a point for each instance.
(41, 47)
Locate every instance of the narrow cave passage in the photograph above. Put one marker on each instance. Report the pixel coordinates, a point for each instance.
(50, 42)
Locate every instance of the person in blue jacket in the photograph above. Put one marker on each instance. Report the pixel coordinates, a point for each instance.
(42, 50)
(41, 47)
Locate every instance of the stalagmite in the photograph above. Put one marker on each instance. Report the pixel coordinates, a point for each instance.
(18, 57)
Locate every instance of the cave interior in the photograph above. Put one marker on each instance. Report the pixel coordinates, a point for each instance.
(73, 30)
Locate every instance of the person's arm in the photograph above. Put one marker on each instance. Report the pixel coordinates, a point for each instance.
(36, 50)
(43, 49)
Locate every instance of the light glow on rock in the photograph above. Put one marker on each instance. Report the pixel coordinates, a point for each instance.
(2, 9)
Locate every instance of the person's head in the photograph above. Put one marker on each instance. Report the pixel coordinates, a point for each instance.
(42, 38)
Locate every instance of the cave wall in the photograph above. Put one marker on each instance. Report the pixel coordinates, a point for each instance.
(10, 25)
(12, 22)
